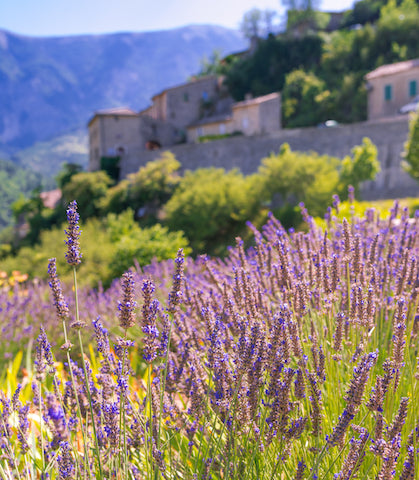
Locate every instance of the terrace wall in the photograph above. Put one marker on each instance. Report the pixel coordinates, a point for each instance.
(245, 153)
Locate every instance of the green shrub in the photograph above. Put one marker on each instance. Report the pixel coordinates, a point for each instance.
(149, 188)
(411, 163)
(133, 244)
(211, 206)
(88, 188)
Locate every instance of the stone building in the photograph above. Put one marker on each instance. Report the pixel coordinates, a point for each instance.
(390, 87)
(119, 135)
(183, 104)
(253, 116)
(203, 106)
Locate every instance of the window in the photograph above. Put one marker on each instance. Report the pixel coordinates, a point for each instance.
(199, 131)
(186, 97)
(387, 93)
(412, 88)
(205, 96)
(222, 129)
(245, 123)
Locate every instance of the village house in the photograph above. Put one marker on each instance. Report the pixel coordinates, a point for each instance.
(178, 114)
(253, 116)
(184, 104)
(120, 134)
(390, 87)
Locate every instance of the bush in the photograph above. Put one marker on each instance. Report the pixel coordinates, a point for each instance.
(411, 153)
(361, 167)
(293, 177)
(146, 190)
(211, 206)
(88, 188)
(135, 245)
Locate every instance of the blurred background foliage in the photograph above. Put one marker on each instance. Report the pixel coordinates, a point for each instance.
(157, 210)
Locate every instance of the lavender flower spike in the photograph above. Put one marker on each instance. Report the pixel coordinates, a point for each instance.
(65, 461)
(127, 306)
(175, 296)
(55, 285)
(73, 254)
(149, 328)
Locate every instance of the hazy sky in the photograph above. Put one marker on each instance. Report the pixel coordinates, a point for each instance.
(59, 17)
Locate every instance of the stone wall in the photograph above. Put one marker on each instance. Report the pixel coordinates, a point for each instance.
(245, 153)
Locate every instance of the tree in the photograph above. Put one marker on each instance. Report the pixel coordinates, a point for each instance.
(148, 189)
(364, 11)
(88, 188)
(265, 71)
(300, 4)
(211, 65)
(251, 24)
(301, 12)
(268, 17)
(397, 12)
(411, 148)
(133, 244)
(211, 206)
(258, 23)
(305, 99)
(362, 166)
(288, 178)
(67, 172)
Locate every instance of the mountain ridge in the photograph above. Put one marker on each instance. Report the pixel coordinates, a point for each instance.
(50, 85)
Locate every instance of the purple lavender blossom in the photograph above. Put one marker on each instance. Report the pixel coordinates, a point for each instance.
(56, 419)
(127, 306)
(73, 254)
(149, 327)
(55, 285)
(175, 296)
(66, 467)
(44, 357)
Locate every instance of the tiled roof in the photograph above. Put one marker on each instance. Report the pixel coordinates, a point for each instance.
(392, 68)
(193, 81)
(116, 111)
(51, 198)
(256, 101)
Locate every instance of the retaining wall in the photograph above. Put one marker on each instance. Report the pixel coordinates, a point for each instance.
(245, 153)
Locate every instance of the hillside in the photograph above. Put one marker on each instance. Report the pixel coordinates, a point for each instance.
(46, 157)
(49, 86)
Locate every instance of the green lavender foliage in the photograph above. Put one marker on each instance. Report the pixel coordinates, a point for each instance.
(296, 359)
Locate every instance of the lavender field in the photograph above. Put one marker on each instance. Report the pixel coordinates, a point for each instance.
(294, 359)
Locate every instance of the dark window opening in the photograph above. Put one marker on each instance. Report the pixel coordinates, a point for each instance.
(152, 145)
(111, 166)
(412, 88)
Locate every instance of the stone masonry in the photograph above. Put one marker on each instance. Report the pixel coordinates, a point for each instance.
(245, 153)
